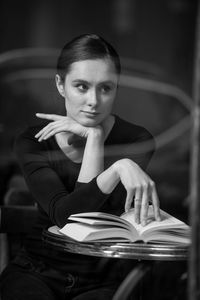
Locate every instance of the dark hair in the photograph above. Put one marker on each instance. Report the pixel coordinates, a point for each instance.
(86, 46)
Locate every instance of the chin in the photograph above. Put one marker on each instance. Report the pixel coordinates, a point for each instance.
(89, 123)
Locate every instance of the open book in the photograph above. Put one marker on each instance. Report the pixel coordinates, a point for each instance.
(99, 226)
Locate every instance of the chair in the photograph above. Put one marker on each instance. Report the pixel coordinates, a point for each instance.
(16, 221)
(18, 212)
(25, 81)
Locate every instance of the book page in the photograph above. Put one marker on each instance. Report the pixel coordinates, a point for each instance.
(99, 218)
(85, 233)
(99, 225)
(100, 222)
(97, 215)
(167, 221)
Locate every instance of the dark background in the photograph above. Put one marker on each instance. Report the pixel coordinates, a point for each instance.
(155, 40)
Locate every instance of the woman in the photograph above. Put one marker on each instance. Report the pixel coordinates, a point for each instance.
(67, 172)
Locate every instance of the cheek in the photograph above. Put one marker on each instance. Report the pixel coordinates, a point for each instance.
(71, 106)
(108, 103)
(72, 101)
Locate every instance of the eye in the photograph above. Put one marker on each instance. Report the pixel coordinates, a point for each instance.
(106, 88)
(82, 87)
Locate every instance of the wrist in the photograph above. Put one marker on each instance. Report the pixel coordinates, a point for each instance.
(116, 172)
(124, 163)
(108, 180)
(96, 132)
(119, 165)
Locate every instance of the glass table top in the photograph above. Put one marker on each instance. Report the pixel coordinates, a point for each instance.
(127, 250)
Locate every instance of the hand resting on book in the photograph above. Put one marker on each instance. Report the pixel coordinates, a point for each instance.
(139, 186)
(100, 226)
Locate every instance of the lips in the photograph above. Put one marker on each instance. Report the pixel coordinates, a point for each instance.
(90, 113)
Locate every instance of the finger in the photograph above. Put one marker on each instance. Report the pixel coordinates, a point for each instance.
(156, 204)
(52, 117)
(129, 199)
(137, 204)
(51, 126)
(44, 129)
(42, 132)
(144, 207)
(51, 131)
(47, 135)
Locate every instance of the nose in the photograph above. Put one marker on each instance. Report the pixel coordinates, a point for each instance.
(92, 99)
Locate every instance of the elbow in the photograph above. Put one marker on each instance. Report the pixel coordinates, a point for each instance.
(58, 218)
(58, 214)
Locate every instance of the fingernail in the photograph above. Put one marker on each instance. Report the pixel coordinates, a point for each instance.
(137, 220)
(127, 208)
(144, 223)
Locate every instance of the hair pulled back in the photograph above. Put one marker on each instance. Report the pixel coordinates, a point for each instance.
(86, 46)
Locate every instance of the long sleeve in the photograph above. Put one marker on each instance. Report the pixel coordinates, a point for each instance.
(51, 179)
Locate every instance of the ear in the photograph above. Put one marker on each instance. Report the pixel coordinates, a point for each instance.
(59, 85)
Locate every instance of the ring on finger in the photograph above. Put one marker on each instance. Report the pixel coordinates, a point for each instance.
(138, 201)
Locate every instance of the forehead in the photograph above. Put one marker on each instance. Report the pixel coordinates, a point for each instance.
(93, 70)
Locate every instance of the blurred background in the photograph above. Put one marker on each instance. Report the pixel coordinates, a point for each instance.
(155, 40)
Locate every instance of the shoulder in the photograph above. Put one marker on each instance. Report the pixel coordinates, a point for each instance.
(26, 140)
(133, 141)
(129, 132)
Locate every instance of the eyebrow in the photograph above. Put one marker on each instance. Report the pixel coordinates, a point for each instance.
(87, 82)
(80, 80)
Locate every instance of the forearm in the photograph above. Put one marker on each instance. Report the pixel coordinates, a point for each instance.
(93, 157)
(108, 179)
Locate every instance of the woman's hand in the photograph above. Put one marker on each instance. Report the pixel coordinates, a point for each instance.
(139, 187)
(140, 190)
(62, 124)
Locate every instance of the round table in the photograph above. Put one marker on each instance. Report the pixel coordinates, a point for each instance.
(139, 251)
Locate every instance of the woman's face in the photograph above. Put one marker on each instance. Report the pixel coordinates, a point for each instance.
(89, 90)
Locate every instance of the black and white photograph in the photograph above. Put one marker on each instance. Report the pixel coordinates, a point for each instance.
(100, 150)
